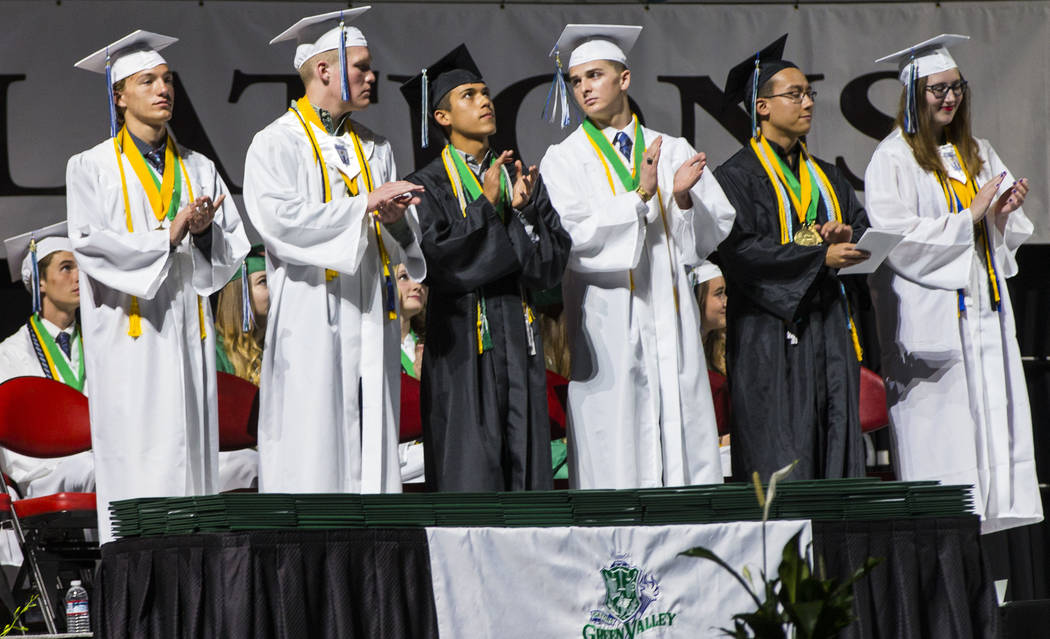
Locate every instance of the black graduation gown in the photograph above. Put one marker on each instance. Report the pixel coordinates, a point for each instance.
(485, 419)
(789, 401)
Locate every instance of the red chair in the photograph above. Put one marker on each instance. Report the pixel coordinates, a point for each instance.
(720, 397)
(411, 415)
(44, 418)
(557, 402)
(873, 412)
(238, 412)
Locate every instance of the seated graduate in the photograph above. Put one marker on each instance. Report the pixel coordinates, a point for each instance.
(792, 352)
(48, 345)
(710, 288)
(490, 238)
(412, 298)
(240, 327)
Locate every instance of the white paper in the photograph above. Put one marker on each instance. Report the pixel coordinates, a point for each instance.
(879, 244)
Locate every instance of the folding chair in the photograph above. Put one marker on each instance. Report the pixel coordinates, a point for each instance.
(238, 412)
(873, 412)
(43, 418)
(411, 418)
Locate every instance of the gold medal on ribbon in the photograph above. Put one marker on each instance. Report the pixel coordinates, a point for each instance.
(808, 236)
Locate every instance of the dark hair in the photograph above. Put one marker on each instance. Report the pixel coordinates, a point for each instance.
(924, 146)
(118, 87)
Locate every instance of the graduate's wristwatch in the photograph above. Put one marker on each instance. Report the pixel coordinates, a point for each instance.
(642, 193)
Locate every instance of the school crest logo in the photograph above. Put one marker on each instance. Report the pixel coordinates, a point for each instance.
(629, 594)
(344, 155)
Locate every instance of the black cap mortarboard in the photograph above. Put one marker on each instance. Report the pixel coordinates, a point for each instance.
(434, 82)
(742, 83)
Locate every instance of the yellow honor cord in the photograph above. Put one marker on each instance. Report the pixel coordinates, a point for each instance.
(171, 156)
(781, 209)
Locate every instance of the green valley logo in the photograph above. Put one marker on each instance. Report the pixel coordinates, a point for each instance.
(629, 593)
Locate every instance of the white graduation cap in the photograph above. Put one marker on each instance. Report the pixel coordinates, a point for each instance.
(585, 43)
(135, 52)
(25, 251)
(703, 272)
(590, 42)
(320, 33)
(927, 57)
(918, 61)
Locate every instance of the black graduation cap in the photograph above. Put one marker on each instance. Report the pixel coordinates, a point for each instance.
(740, 84)
(455, 68)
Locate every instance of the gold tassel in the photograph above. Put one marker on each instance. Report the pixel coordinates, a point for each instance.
(134, 319)
(200, 315)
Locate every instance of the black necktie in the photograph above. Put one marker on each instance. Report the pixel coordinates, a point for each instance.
(156, 158)
(64, 340)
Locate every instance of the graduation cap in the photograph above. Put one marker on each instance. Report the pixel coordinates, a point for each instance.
(744, 79)
(129, 55)
(254, 262)
(704, 272)
(434, 82)
(325, 32)
(585, 43)
(918, 61)
(25, 251)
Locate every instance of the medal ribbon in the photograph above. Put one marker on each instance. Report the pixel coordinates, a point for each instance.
(164, 194)
(629, 179)
(470, 182)
(959, 197)
(51, 358)
(306, 113)
(157, 203)
(801, 194)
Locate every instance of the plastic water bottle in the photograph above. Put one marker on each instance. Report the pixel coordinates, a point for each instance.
(78, 616)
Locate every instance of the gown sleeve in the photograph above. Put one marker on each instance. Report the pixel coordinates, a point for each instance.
(699, 229)
(229, 243)
(937, 248)
(607, 231)
(133, 263)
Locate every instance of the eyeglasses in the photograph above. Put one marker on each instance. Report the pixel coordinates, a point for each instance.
(940, 91)
(795, 96)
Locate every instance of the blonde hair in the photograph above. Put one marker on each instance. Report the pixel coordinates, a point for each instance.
(924, 146)
(244, 350)
(307, 70)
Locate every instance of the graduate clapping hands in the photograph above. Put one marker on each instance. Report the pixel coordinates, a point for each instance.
(194, 218)
(523, 183)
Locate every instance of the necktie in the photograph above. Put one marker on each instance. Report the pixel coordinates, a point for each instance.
(156, 158)
(623, 143)
(63, 340)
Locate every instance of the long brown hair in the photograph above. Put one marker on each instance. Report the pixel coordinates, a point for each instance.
(924, 145)
(715, 341)
(244, 350)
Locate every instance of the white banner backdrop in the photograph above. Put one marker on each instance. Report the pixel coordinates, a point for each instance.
(602, 582)
(231, 83)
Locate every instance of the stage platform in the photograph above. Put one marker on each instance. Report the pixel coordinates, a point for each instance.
(432, 582)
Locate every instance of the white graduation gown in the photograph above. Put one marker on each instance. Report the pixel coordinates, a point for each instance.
(640, 410)
(153, 400)
(330, 381)
(955, 386)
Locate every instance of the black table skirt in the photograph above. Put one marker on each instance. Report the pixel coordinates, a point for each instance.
(375, 584)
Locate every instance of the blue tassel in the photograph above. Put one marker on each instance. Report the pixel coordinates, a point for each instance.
(910, 100)
(754, 98)
(35, 281)
(344, 81)
(246, 300)
(109, 91)
(558, 97)
(424, 126)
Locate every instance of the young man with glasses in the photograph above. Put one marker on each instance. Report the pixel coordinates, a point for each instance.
(791, 350)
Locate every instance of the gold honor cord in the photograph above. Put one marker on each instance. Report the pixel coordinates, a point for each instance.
(826, 192)
(305, 112)
(172, 157)
(959, 197)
